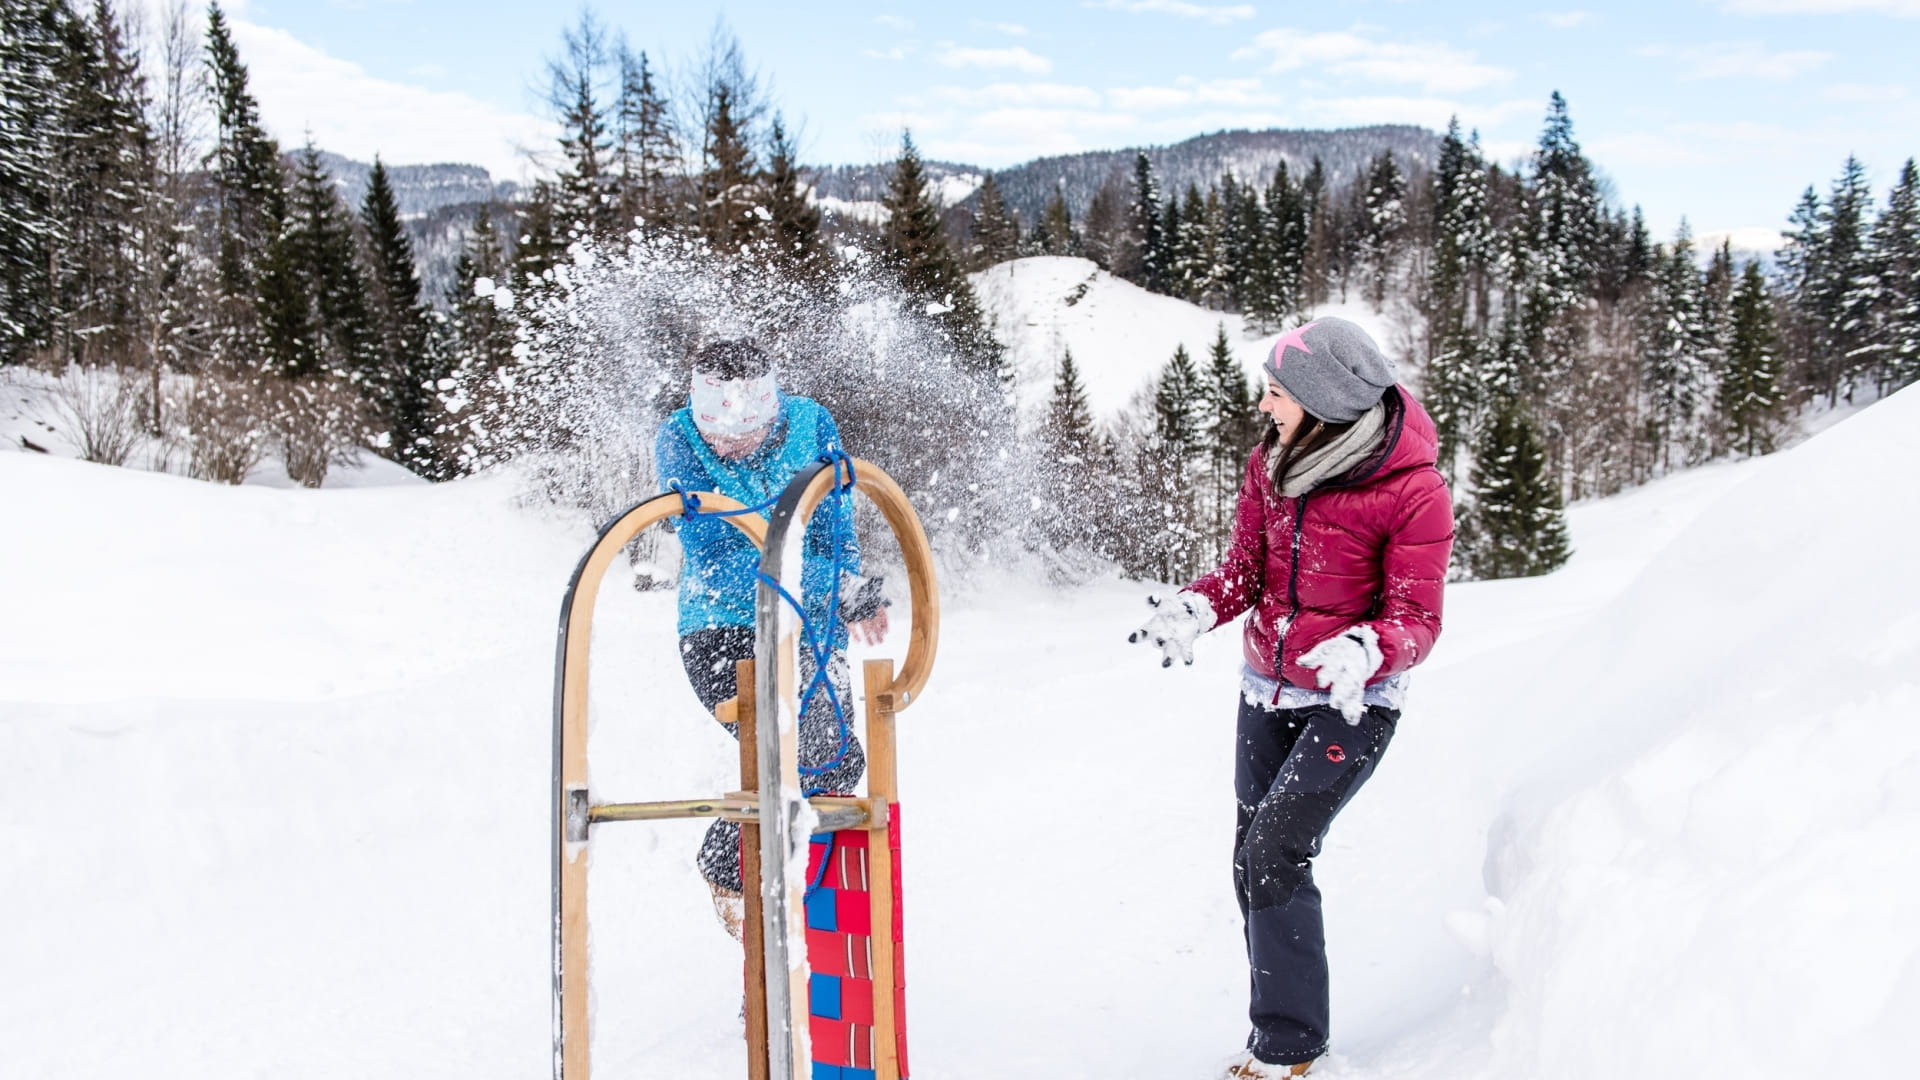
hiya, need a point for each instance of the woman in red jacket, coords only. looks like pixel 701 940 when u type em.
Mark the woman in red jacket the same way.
pixel 1340 547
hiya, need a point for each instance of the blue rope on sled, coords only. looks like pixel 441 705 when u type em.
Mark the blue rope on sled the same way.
pixel 821 651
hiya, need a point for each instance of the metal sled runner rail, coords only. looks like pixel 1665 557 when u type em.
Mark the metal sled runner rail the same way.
pixel 776 820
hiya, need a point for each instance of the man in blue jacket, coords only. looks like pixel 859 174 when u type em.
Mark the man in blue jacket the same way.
pixel 740 436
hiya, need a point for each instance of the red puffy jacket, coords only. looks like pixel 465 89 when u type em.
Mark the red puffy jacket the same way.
pixel 1370 547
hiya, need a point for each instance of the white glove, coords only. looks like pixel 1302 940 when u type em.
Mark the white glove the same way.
pixel 1176 621
pixel 1343 664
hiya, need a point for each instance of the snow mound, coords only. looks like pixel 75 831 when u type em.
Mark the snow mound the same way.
pixel 1714 869
pixel 1121 334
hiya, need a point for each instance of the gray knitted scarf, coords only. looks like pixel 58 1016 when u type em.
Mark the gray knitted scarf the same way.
pixel 1336 458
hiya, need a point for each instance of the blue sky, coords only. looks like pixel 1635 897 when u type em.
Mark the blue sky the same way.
pixel 1719 110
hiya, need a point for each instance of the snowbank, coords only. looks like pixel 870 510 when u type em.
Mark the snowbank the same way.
pixel 273 798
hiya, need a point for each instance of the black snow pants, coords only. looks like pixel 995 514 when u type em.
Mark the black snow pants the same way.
pixel 1295 770
pixel 710 656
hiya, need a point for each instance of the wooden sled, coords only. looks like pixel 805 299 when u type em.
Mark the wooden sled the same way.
pixel 775 819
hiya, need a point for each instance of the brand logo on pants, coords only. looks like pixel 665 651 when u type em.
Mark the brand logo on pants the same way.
pixel 1335 754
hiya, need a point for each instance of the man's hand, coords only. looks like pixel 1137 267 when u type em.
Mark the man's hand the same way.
pixel 871 631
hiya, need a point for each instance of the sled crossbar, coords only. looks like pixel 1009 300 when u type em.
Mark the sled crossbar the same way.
pixel 834 813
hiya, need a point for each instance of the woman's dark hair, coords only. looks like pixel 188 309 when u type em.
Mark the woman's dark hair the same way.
pixel 736 359
pixel 1318 432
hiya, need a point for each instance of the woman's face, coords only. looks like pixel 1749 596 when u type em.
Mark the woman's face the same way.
pixel 1287 414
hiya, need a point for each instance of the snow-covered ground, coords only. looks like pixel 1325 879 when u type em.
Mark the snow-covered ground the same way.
pixel 37 415
pixel 273 801
pixel 1121 335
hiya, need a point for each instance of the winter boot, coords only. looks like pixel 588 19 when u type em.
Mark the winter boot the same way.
pixel 1245 1066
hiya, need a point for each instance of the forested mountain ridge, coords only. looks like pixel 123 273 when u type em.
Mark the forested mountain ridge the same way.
pixel 1204 159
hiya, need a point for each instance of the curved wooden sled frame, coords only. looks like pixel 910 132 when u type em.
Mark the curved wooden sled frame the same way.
pixel 769 678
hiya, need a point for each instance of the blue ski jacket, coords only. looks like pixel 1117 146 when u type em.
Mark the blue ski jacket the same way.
pixel 720 567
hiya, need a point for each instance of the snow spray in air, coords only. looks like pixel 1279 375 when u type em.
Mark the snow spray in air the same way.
pixel 603 357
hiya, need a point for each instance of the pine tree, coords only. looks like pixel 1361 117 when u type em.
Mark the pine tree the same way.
pixel 1068 427
pixel 542 242
pixel 1801 262
pixel 646 144
pixel 1462 246
pixel 249 186
pixel 996 235
pixel 1152 270
pixel 1056 227
pixel 916 247
pixel 1892 347
pixel 476 338
pixel 793 223
pixel 1317 268
pixel 1383 229
pixel 1278 253
pixel 1750 398
pixel 729 196
pixel 1844 299
pixel 1168 465
pixel 1518 522
pixel 1230 434
pixel 102 158
pixel 406 372
pixel 586 203
pixel 1191 268
pixel 1671 366
pixel 31 95
pixel 1234 240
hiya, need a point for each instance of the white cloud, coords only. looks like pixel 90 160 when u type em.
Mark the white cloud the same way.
pixel 1188 91
pixel 1860 93
pixel 1905 8
pixel 894 22
pixel 1019 94
pixel 303 90
pixel 1436 67
pixel 1565 20
pixel 898 52
pixel 1016 57
pixel 1736 59
pixel 1218 15
pixel 1007 28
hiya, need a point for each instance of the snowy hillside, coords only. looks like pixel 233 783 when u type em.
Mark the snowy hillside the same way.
pixel 274 798
pixel 1121 334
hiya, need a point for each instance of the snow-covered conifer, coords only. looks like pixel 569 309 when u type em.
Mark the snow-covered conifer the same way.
pixel 1750 400
pixel 996 235
pixel 403 380
pixel 916 247
pixel 1519 525
pixel 1148 226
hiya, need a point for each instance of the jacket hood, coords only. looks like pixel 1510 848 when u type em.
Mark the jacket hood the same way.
pixel 1412 441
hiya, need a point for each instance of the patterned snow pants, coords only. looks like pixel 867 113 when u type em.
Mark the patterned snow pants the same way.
pixel 709 656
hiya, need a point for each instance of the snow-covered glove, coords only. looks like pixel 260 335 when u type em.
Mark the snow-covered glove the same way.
pixel 1343 664
pixel 861 598
pixel 1176 621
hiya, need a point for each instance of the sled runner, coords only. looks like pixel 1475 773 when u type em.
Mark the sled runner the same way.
pixel 821 876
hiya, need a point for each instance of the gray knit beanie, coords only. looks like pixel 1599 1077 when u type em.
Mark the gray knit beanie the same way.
pixel 1332 368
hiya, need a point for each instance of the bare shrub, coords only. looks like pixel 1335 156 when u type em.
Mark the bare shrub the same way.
pixel 318 422
pixel 223 429
pixel 101 413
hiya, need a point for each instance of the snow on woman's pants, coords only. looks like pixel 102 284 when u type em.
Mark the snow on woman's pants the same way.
pixel 1294 771
pixel 710 657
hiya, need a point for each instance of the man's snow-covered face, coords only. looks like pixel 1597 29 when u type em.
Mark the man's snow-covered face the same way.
pixel 730 408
